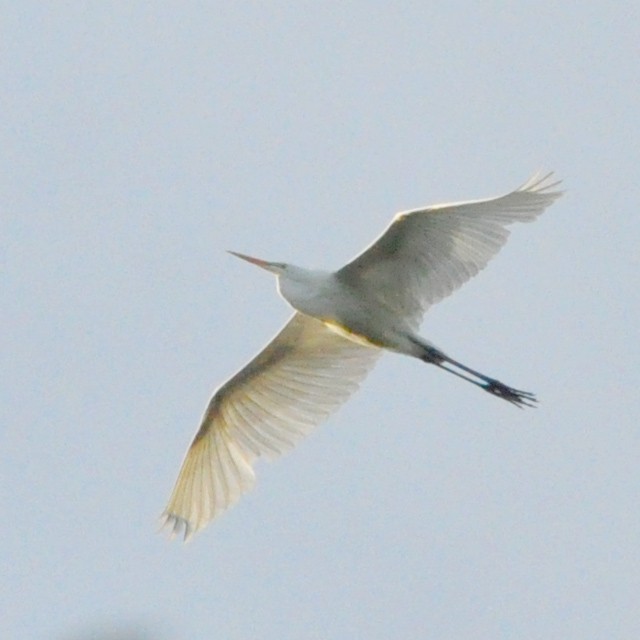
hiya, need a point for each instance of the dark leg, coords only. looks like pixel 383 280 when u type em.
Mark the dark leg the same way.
pixel 519 398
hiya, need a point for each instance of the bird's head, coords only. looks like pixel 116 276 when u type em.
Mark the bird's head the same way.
pixel 277 268
pixel 295 284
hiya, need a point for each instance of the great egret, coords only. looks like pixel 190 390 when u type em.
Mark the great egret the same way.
pixel 343 321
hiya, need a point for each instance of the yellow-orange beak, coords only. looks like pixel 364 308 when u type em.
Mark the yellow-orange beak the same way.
pixel 274 267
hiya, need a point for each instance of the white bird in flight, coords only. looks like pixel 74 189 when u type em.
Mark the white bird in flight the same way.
pixel 343 321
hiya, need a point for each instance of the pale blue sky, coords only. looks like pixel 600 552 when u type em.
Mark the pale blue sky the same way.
pixel 142 140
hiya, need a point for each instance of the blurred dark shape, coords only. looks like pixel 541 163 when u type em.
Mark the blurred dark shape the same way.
pixel 116 631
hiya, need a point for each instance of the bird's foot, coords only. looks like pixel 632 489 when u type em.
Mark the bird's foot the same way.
pixel 514 396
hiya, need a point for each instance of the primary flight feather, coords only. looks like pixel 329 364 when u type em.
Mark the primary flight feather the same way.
pixel 343 321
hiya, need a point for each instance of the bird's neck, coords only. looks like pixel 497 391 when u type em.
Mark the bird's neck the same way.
pixel 309 292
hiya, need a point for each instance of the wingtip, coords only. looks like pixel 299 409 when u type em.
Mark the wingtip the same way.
pixel 542 181
pixel 175 526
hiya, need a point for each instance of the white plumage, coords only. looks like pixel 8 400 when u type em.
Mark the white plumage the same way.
pixel 343 321
pixel 426 254
pixel 294 383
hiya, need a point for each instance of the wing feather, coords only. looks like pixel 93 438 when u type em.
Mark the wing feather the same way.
pixel 426 254
pixel 294 383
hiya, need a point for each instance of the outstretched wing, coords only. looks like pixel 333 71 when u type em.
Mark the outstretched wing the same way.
pixel 426 254
pixel 293 384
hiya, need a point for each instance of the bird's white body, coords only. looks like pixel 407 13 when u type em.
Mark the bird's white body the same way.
pixel 322 295
pixel 343 321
